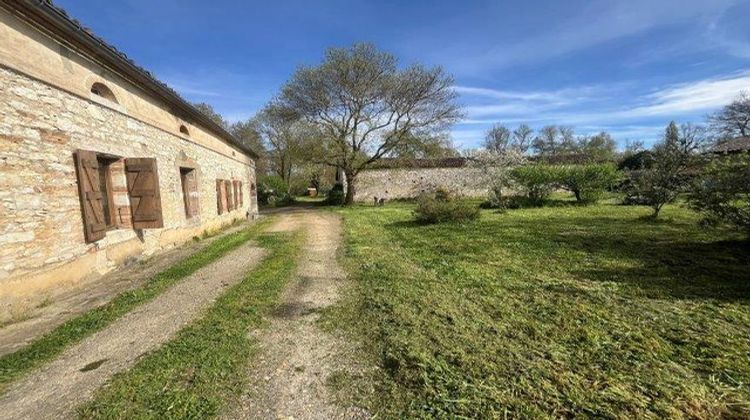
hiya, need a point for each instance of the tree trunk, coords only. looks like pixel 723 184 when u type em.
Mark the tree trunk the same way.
pixel 657 209
pixel 350 189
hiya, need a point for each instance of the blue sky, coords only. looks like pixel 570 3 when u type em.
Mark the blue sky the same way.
pixel 625 66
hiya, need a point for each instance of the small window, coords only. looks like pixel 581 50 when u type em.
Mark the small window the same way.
pixel 189 192
pixel 100 89
pixel 184 130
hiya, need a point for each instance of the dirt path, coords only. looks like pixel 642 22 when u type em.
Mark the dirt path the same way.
pixel 57 389
pixel 289 379
pixel 70 301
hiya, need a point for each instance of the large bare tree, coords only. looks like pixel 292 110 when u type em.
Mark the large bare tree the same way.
pixel 522 137
pixel 365 106
pixel 734 119
pixel 498 138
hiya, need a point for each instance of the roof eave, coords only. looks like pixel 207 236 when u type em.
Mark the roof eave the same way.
pixel 55 21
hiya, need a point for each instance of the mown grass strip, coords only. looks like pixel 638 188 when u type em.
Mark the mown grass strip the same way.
pixel 195 374
pixel 565 311
pixel 53 343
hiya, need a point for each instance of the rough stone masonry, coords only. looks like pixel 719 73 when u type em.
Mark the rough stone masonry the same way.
pixel 48 111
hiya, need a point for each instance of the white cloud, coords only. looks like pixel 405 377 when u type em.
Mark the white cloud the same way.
pixel 597 103
pixel 692 97
pixel 484 102
pixel 597 108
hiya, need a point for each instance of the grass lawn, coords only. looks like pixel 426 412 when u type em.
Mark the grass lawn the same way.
pixel 551 312
pixel 45 348
pixel 199 371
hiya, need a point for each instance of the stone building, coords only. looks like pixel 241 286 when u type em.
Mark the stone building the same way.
pixel 398 179
pixel 100 163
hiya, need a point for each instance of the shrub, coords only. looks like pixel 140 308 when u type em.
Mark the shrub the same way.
pixel 722 192
pixel 536 181
pixel 669 170
pixel 273 191
pixel 336 196
pixel 441 206
pixel 586 182
pixel 641 160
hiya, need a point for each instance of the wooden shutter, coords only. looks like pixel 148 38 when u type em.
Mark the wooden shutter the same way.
pixel 143 188
pixel 237 204
pixel 193 194
pixel 189 191
pixel 230 198
pixel 92 209
pixel 242 195
pixel 219 201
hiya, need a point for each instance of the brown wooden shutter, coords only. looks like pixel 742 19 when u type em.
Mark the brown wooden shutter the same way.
pixel 219 201
pixel 92 209
pixel 230 198
pixel 237 204
pixel 143 188
pixel 194 196
pixel 242 195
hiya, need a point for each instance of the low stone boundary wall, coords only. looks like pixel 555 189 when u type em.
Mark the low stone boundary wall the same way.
pixel 410 182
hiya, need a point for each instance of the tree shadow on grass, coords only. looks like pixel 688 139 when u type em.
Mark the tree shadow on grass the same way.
pixel 656 257
pixel 670 269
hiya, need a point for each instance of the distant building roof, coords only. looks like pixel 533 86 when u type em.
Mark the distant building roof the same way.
pixel 390 163
pixel 55 22
pixel 740 144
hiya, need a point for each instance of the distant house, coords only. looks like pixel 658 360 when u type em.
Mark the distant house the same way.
pixel 100 163
pixel 738 145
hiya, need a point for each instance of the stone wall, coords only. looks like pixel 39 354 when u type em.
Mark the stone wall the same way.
pixel 410 182
pixel 41 230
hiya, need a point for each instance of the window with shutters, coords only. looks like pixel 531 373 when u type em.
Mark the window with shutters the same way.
pixel 100 211
pixel 188 179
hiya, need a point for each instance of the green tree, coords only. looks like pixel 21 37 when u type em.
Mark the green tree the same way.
pixel 247 133
pixel 285 137
pixel 546 142
pixel 210 112
pixel 665 176
pixel 597 148
pixel 722 192
pixel 431 147
pixel 365 106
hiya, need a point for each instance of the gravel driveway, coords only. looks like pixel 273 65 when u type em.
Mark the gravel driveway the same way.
pixel 58 388
pixel 288 380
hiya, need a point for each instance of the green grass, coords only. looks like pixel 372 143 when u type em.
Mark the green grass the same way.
pixel 196 373
pixel 53 343
pixel 559 311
